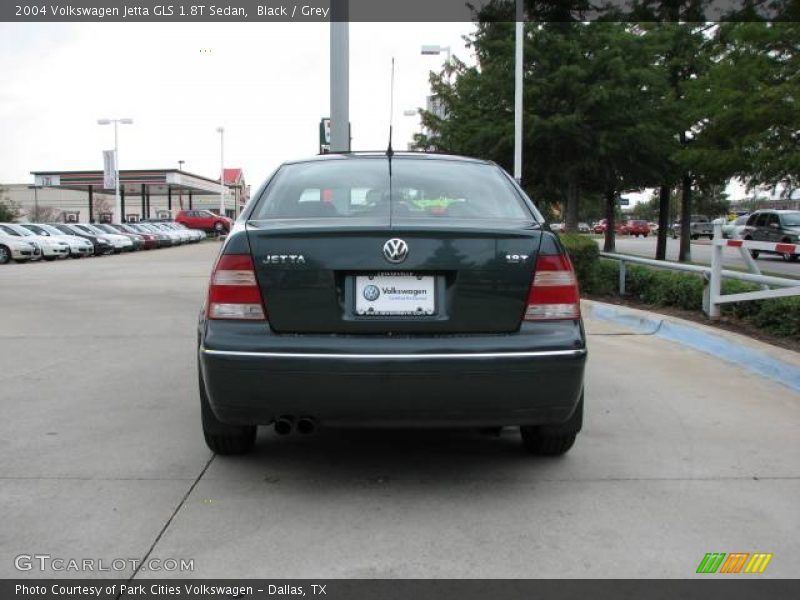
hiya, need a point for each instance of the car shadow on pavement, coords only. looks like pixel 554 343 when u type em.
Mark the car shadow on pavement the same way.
pixel 375 456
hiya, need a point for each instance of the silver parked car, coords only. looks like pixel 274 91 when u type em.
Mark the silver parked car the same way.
pixel 15 248
pixel 78 246
pixel 52 249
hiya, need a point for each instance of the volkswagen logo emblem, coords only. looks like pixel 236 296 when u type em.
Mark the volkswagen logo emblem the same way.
pixel 395 250
pixel 371 293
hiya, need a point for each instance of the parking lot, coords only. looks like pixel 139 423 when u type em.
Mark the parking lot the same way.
pixel 103 457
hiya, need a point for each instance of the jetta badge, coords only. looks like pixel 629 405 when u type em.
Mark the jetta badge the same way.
pixel 395 250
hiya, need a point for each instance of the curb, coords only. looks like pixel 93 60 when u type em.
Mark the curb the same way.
pixel 781 366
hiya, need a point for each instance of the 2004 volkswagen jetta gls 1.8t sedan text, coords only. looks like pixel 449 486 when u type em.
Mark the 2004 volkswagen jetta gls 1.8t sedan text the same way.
pixel 397 290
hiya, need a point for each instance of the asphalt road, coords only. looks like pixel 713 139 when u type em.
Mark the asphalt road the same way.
pixel 102 456
pixel 701 254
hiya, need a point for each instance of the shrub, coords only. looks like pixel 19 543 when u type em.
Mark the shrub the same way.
pixel 600 277
pixel 584 253
pixel 780 316
pixel 604 281
pixel 739 310
pixel 668 288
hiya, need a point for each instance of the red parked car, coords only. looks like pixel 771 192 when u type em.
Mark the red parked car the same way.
pixel 602 225
pixel 204 219
pixel 638 228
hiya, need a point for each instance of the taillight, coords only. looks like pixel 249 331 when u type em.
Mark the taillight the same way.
pixel 233 292
pixel 554 291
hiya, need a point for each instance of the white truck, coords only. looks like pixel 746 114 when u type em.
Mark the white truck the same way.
pixel 699 226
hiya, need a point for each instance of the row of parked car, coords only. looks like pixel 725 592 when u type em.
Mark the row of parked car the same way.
pixel 632 227
pixel 23 242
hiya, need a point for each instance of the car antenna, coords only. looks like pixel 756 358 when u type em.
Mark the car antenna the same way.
pixel 389 151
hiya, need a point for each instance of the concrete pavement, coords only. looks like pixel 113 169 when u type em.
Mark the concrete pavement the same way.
pixel 102 456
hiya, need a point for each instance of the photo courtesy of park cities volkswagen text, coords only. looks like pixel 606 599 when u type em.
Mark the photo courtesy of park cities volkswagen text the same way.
pixel 380 299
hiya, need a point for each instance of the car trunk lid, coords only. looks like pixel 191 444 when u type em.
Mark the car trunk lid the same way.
pixel 311 275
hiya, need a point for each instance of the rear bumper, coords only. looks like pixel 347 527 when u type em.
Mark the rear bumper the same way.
pixel 381 381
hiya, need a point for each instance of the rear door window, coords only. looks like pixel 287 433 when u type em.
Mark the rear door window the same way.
pixel 791 219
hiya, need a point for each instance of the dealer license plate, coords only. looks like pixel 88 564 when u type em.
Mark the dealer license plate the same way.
pixel 395 294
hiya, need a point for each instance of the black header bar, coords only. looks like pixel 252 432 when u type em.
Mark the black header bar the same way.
pixel 153 11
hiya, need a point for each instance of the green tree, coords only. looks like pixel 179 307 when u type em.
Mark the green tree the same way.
pixel 590 98
pixel 752 91
pixel 9 210
pixel 668 102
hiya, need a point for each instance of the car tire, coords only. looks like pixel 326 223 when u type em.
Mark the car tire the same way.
pixel 49 258
pixel 5 255
pixel 711 236
pixel 220 437
pixel 694 236
pixel 219 228
pixel 553 440
pixel 754 253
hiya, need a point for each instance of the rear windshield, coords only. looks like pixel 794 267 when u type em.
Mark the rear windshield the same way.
pixel 418 189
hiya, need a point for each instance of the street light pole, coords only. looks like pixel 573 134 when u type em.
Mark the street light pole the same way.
pixel 118 217
pixel 340 76
pixel 221 131
pixel 180 189
pixel 435 50
pixel 518 82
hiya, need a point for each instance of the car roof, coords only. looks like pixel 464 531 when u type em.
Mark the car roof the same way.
pixel 780 211
pixel 373 154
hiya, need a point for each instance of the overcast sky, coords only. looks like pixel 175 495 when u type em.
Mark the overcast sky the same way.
pixel 267 84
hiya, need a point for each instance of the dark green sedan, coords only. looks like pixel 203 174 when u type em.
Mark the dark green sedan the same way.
pixel 391 290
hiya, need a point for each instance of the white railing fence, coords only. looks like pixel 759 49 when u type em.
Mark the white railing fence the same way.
pixel 713 275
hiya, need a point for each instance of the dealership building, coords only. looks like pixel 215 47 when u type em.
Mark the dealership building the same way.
pixel 81 196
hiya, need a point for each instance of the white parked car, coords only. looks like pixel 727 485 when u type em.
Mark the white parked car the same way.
pixel 13 247
pixel 733 229
pixel 51 248
pixel 197 234
pixel 120 242
pixel 177 237
pixel 186 236
pixel 78 246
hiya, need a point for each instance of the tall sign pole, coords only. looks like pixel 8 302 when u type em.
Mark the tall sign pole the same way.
pixel 120 218
pixel 221 131
pixel 118 203
pixel 518 81
pixel 340 77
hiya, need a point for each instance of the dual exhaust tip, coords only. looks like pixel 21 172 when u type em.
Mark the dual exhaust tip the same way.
pixel 286 424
